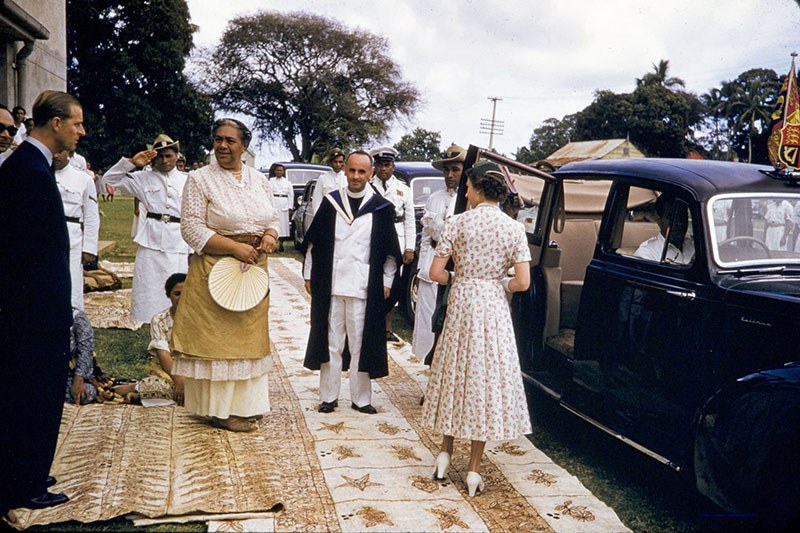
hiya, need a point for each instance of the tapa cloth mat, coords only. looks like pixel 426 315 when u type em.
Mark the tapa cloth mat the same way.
pixel 121 269
pixel 111 309
pixel 348 471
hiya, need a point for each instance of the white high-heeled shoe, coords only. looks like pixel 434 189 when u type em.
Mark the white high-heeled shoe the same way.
pixel 474 483
pixel 442 464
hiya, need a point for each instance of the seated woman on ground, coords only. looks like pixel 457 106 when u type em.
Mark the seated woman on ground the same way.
pixel 81 359
pixel 159 357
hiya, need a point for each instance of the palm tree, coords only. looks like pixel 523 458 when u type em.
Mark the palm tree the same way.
pixel 750 105
pixel 659 77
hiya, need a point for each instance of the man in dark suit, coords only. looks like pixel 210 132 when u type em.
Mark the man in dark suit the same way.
pixel 35 310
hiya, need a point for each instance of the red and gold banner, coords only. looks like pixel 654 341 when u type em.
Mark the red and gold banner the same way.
pixel 783 143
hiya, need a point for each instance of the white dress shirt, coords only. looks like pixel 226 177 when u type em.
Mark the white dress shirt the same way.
pixel 158 193
pixel 327 182
pixel 399 194
pixel 439 207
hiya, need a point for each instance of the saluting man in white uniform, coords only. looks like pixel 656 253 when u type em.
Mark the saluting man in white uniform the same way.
pixel 399 194
pixel 330 181
pixel 79 196
pixel 282 194
pixel 162 251
pixel 439 207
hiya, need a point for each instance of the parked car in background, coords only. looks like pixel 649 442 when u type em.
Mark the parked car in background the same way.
pixel 299 174
pixel 663 310
pixel 303 215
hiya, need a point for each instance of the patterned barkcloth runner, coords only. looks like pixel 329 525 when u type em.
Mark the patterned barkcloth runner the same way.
pixel 343 471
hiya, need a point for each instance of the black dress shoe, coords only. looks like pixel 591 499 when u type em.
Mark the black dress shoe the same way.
pixel 327 407
pixel 391 337
pixel 368 409
pixel 49 481
pixel 44 500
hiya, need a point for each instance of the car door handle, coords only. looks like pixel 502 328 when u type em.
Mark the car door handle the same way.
pixel 683 294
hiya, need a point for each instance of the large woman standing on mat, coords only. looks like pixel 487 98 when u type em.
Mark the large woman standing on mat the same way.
pixel 224 354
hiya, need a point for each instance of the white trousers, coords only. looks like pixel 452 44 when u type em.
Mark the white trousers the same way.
pixel 150 271
pixel 76 274
pixel 426 305
pixel 345 321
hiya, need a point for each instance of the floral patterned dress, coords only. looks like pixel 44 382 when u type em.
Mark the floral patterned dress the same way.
pixel 475 389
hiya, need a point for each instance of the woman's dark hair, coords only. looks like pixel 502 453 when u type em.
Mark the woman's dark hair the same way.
pixel 273 167
pixel 244 132
pixel 491 183
pixel 173 280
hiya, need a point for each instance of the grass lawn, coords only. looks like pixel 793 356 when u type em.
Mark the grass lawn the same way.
pixel 646 495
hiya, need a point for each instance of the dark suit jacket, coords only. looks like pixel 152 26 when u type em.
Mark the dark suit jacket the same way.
pixel 34 245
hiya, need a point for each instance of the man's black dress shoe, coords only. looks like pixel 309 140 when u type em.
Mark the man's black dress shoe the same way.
pixel 391 337
pixel 44 500
pixel 368 409
pixel 49 481
pixel 327 407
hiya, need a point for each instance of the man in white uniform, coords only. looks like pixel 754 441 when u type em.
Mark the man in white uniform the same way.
pixel 162 250
pixel 19 122
pixel 653 248
pixel 282 194
pixel 399 194
pixel 332 180
pixel 438 209
pixel 779 223
pixel 79 197
pixel 78 161
pixel 6 134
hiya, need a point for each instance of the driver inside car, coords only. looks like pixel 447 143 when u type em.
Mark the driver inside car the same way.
pixel 652 248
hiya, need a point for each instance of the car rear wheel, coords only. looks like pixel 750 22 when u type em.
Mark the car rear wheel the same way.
pixel 412 292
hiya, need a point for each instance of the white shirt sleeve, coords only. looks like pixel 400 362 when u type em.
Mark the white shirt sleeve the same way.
pixel 193 216
pixel 91 217
pixel 307 263
pixel 389 270
pixel 121 177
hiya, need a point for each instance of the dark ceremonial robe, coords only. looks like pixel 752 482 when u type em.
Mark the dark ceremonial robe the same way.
pixel 35 320
pixel 383 244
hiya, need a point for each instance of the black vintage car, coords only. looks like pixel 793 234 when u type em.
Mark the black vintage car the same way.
pixel 664 309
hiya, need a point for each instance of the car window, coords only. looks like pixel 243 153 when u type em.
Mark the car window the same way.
pixel 655 226
pixel 751 228
pixel 423 187
pixel 300 176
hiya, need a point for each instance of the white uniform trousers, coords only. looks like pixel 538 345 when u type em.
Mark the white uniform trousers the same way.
pixel 345 321
pixel 150 272
pixel 773 240
pixel 426 305
pixel 76 273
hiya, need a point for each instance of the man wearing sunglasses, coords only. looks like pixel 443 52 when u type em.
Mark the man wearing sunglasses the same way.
pixel 7 133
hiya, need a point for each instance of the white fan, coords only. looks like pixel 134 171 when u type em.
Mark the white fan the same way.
pixel 237 286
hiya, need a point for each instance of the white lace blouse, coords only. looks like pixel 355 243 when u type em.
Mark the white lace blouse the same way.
pixel 215 202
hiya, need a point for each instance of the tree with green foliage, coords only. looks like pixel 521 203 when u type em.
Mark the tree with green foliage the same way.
pixel 746 103
pixel 125 62
pixel 419 145
pixel 547 138
pixel 657 118
pixel 307 82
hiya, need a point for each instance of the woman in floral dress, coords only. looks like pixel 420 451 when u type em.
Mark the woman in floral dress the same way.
pixel 475 389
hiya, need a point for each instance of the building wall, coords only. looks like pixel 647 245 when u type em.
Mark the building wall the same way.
pixel 47 64
pixel 624 151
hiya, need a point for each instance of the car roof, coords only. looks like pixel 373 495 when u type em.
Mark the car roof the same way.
pixel 415 169
pixel 705 178
pixel 287 166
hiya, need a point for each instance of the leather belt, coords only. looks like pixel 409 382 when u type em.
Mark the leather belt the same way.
pixel 74 220
pixel 397 220
pixel 163 218
pixel 280 195
pixel 775 225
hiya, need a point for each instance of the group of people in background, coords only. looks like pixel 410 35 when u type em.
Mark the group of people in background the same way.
pixel 214 358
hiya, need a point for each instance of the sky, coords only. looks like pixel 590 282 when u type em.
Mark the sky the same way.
pixel 544 58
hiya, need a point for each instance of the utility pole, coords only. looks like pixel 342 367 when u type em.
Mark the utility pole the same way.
pixel 492 127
